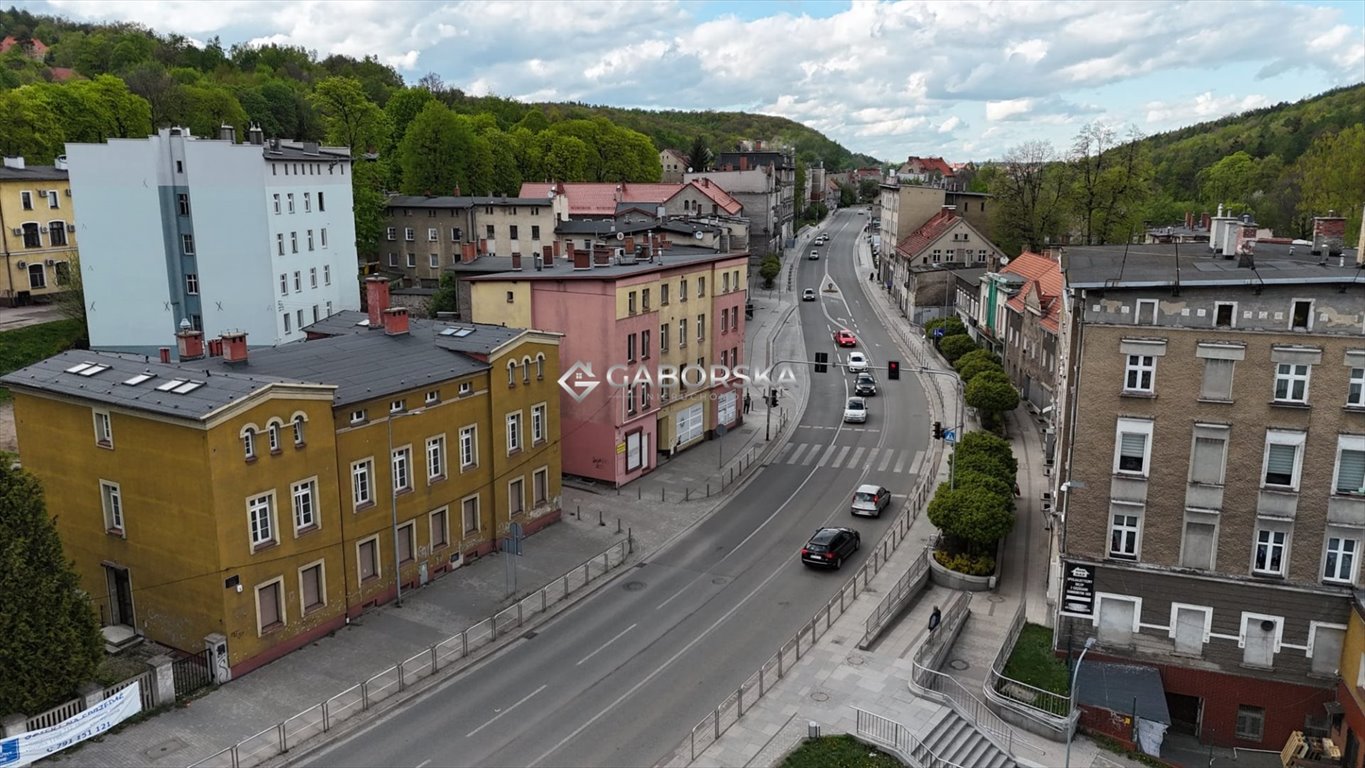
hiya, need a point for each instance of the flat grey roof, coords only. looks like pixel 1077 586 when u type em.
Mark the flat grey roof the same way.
pixel 677 256
pixel 972 276
pixel 451 201
pixel 474 338
pixel 33 172
pixel 1163 264
pixel 1124 688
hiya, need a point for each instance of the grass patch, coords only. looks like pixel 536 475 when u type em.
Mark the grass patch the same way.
pixel 1032 661
pixel 26 346
pixel 838 752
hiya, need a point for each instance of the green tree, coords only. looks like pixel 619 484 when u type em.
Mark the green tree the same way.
pixel 981 355
pixel 435 153
pixel 971 478
pixel 984 463
pixel 506 171
pixel 533 121
pixel 562 157
pixel 446 298
pixel 847 195
pixel 369 202
pixel 956 346
pixel 29 129
pixel 152 82
pixel 951 325
pixel 769 270
pixel 972 517
pixel 994 446
pixel 698 155
pixel 992 395
pixel 349 117
pixel 869 189
pixel 1231 180
pixel 404 106
pixel 975 367
pixel 1333 177
pixel 1030 190
pixel 49 637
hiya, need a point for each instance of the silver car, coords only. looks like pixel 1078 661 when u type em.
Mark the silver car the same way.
pixel 870 500
pixel 855 412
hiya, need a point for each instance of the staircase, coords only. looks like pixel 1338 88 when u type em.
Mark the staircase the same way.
pixel 956 742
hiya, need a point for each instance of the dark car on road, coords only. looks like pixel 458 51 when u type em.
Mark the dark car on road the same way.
pixel 829 546
pixel 866 385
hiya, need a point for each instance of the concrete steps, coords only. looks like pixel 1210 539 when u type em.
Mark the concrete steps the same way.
pixel 957 742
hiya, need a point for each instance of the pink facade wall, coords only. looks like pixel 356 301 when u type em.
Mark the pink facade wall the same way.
pixel 730 340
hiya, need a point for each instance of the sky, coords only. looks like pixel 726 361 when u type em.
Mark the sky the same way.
pixel 961 79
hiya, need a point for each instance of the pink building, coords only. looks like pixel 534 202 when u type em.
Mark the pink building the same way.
pixel 627 317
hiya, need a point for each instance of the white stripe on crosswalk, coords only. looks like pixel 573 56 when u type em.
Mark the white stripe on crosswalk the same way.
pixel 886 459
pixel 814 454
pixel 858 454
pixel 796 454
pixel 872 456
pixel 919 456
pixel 786 451
pixel 825 458
pixel 840 459
pixel 900 463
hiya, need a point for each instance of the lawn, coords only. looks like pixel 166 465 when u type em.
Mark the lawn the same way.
pixel 1032 661
pixel 28 345
pixel 838 752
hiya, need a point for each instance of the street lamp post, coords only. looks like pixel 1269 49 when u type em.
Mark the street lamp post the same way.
pixel 1075 672
pixel 393 508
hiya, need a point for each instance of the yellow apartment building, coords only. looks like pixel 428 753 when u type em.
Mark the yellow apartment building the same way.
pixel 37 231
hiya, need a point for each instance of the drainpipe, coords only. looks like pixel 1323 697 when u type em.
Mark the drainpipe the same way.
pixel 4 248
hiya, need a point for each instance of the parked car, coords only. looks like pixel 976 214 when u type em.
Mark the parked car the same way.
pixel 866 385
pixel 857 362
pixel 829 546
pixel 814 255
pixel 869 500
pixel 808 294
pixel 845 338
pixel 855 411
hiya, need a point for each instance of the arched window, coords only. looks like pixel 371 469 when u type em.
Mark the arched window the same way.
pixel 511 373
pixel 526 370
pixel 298 430
pixel 249 442
pixel 540 367
pixel 273 431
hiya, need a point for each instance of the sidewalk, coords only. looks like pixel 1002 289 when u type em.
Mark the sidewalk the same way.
pixel 825 685
pixel 653 511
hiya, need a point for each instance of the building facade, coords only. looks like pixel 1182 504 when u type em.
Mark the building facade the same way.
pixel 1212 478
pixel 222 498
pixel 256 237
pixel 918 269
pixel 37 231
pixel 683 307
pixel 1018 310
pixel 904 208
pixel 675 165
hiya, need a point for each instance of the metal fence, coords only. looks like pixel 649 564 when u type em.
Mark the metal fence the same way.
pixel 895 600
pixel 326 715
pixel 1052 710
pixel 898 740
pixel 191 672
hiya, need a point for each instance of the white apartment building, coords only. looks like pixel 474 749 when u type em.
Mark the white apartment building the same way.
pixel 256 237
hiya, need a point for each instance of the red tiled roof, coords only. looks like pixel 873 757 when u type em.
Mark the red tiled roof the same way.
pixel 35 45
pixel 927 165
pixel 62 74
pixel 1042 277
pixel 915 242
pixel 717 195
pixel 600 198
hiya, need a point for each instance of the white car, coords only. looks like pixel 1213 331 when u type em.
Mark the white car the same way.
pixel 857 362
pixel 855 412
pixel 814 255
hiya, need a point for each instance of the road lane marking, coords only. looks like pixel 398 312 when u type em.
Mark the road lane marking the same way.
pixel 795 455
pixel 424 763
pixel 900 463
pixel 824 460
pixel 813 455
pixel 872 456
pixel 505 711
pixel 784 454
pixel 840 459
pixel 886 459
pixel 603 646
pixel 858 454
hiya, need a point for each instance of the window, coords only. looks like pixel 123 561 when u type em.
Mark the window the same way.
pixel 1271 546
pixel 367 556
pixel 1146 311
pixel 284 284
pixel 402 469
pixel 644 395
pixel 326 274
pixel 1139 373
pixel 52 199
pixel 434 396
pixel 725 285
pixel 1250 722
pixel 398 406
pixel 465 388
pixel 56 232
pixel 322 206
pixel 32 237
pixel 440 528
pixel 540 366
pixel 682 333
pixel 1133 447
pixel 269 605
pixel 273 434
pixel 1355 392
pixel 516 496
pixel 305 506
pixel 323 234
pixel 391 233
pixel 312 587
pixel 434 260
pixel 1217 384
pixel 187 244
pixel 290 197
pixel 1302 316
pixel 1283 453
pixel 1208 456
pixel 1350 471
pixel 469 514
pixel 1339 559
pixel 112 500
pixel 514 432
pixel 298 431
pixel 357 416
pixel 1291 383
pixel 1200 541
pixel 630 348
pixel 412 260
pixel 192 284
pixel 630 401
pixel 701 287
pixel 249 443
pixel 663 337
pixel 512 231
pixel 725 321
pixel 535 232
pixel 409 235
pixel 511 373
pixel 362 485
pixel 538 424
pixel 406 545
pixel 663 294
pixel 310 239
pixel 261 519
pixel 511 297
pixel 26 200
pixel 104 430
pixel 630 302
pixel 276 197
pixel 436 457
pixel 469 451
pixel 307 202
pixel 540 487
pixel 488 230
pixel 682 289
pixel 293 242
pixel 1224 314
pixel 1124 527
pixel 644 345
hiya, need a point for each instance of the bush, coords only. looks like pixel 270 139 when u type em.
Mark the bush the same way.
pixel 971 357
pixel 972 565
pixel 951 326
pixel 953 347
pixel 769 270
pixel 991 445
pixel 970 370
pixel 992 394
pixel 973 518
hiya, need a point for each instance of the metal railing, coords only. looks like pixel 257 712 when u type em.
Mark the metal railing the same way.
pixel 1052 709
pixel 896 600
pixel 326 715
pixel 898 740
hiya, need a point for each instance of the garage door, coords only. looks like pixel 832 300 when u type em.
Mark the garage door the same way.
pixel 725 409
pixel 690 423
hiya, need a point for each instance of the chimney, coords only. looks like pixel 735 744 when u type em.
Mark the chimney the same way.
pixel 376 299
pixel 189 344
pixel 1189 219
pixel 516 261
pixel 227 133
pixel 1329 234
pixel 310 147
pixel 468 253
pixel 630 247
pixel 483 245
pixel 60 163
pixel 255 135
pixel 395 321
pixel 1243 237
pixel 1204 222
pixel 234 347
pixel 547 255
pixel 165 354
pixel 602 258
pixel 559 252
pixel 215 347
pixel 16 163
pixel 580 260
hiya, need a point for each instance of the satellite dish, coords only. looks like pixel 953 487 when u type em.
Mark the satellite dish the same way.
pixel 620 235
pixel 698 234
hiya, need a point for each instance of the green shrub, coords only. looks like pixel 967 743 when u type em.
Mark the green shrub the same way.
pixel 769 270
pixel 972 565
pixel 971 357
pixel 953 347
pixel 975 367
pixel 992 445
pixel 951 326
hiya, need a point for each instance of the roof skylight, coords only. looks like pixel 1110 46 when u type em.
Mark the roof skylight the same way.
pixel 188 387
pixel 138 379
pixel 170 385
pixel 91 370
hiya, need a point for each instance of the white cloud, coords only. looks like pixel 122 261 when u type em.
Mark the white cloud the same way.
pixel 948 125
pixel 1006 110
pixel 1204 106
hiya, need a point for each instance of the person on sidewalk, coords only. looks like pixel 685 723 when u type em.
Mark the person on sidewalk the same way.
pixel 748 402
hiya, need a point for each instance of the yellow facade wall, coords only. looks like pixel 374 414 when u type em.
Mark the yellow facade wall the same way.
pixel 14 279
pixel 489 303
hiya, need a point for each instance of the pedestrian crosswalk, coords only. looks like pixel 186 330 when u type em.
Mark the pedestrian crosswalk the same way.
pixel 897 460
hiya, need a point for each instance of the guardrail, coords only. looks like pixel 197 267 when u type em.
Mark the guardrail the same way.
pixel 323 717
pixel 897 739
pixel 896 600
pixel 1035 710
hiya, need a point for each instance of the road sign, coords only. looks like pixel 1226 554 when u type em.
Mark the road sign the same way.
pixel 950 435
pixel 938 333
pixel 721 429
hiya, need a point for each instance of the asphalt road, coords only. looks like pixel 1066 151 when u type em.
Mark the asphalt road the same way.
pixel 621 678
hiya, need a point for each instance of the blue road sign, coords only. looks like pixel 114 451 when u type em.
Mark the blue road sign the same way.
pixel 938 333
pixel 950 435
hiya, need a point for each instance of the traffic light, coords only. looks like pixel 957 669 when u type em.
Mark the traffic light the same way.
pixel 893 369
pixel 821 362
pixel 938 430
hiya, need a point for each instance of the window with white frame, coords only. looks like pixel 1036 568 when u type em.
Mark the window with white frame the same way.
pixel 526 370
pixel 192 284
pixel 1349 479
pixel 327 275
pixel 540 364
pixel 1325 642
pixel 1139 373
pixel 436 457
pixel 514 432
pixel 312 587
pixel 1291 382
pixel 516 496
pixel 1283 459
pixel 276 198
pixel 1301 317
pixel 1146 312
pixel 538 424
pixel 433 235
pixel 1125 528
pixel 469 515
pixel 540 486
pixel 298 431
pixel 1271 556
pixel 290 197
pixel 469 450
pixel 293 242
pixel 434 260
pixel 1208 456
pixel 1133 447
pixel 1339 556
pixel 249 443
pixel 1355 389
pixel 261 520
pixel 104 430
pixel 304 494
pixel 402 468
pixel 273 436
pixel 407 534
pixel 269 607
pixel 112 500
pixel 362 483
pixel 398 406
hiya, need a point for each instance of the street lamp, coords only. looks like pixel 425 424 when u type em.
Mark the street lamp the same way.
pixel 393 507
pixel 1070 732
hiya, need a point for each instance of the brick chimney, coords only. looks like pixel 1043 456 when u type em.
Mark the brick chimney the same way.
pixel 468 253
pixel 630 247
pixel 234 347
pixel 1329 234
pixel 189 344
pixel 1189 219
pixel 602 257
pixel 376 299
pixel 1204 221
pixel 547 255
pixel 560 252
pixel 215 347
pixel 581 260
pixel 165 353
pixel 483 245
pixel 395 321
pixel 1244 233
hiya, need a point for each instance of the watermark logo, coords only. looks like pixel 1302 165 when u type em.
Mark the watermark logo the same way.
pixel 580 380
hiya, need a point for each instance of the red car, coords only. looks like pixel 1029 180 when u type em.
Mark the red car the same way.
pixel 845 338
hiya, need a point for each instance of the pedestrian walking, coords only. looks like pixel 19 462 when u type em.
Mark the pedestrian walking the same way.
pixel 748 402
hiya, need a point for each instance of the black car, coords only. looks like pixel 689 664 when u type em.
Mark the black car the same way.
pixel 829 546
pixel 866 385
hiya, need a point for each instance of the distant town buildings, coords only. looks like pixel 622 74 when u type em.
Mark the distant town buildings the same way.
pixel 37 231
